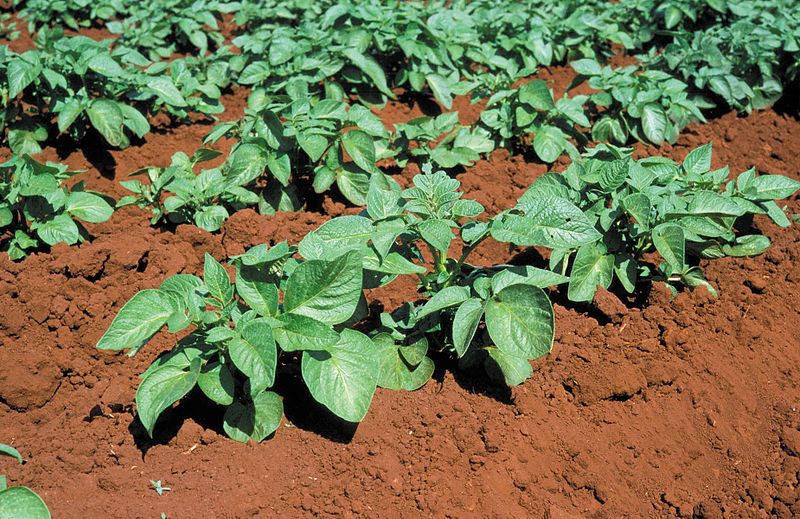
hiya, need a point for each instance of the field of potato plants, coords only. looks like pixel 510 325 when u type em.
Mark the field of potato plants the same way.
pixel 427 258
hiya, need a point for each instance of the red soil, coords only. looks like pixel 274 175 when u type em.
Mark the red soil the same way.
pixel 645 408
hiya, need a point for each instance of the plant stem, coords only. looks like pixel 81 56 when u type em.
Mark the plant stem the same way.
pixel 466 252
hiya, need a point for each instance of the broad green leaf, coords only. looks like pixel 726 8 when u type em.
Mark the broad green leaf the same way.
pixel 773 187
pixel 246 164
pixel 20 74
pixel 255 355
pixel 261 296
pixel 591 267
pixel 159 390
pixel 436 232
pixel 268 415
pixel 361 149
pixel 526 275
pixel 22 503
pixel 548 222
pixel 392 263
pixel 776 213
pixel 513 370
pixel 325 290
pixel 210 218
pixel 105 65
pixel 239 421
pixel 216 382
pixel 465 324
pixel 42 184
pixel 750 245
pixel 344 377
pixel 698 161
pixel 371 68
pixel 68 111
pixel 217 280
pixel 669 241
pixel 626 269
pixel 88 207
pixel 612 174
pixel 441 88
pixel 166 90
pixel 107 118
pixel 395 373
pixel 638 206
pixel 337 236
pixel 587 67
pixel 133 120
pixel 137 321
pixel 447 297
pixel 536 94
pixel 654 123
pixel 57 229
pixel 383 203
pixel 549 143
pixel 298 332
pixel 519 320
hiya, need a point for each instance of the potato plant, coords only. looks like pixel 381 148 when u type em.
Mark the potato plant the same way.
pixel 19 502
pixel 36 208
pixel 683 212
pixel 288 302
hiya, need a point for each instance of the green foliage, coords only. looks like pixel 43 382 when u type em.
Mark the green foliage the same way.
pixel 630 208
pixel 531 110
pixel 36 208
pixel 326 141
pixel 19 502
pixel 84 84
pixel 242 330
pixel 650 105
pixel 178 195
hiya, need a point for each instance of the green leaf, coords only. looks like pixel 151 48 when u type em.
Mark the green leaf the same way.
pixel 137 321
pixel 166 91
pixel 107 118
pixel 345 377
pixel 383 203
pixel 217 281
pixel 441 88
pixel 57 229
pixel 371 68
pixel 20 74
pixel 261 296
pixel 446 297
pixel 519 320
pixel 42 184
pixel 255 355
pixel 513 370
pixel 436 232
pixel 549 143
pixel 591 267
pixel 336 236
pixel 612 174
pixel 216 382
pixel 22 503
pixel 159 390
pixel 298 332
pixel 587 67
pixel 669 241
pixel 526 275
pixel 354 185
pixel 396 373
pixel 638 206
pixel 536 94
pixel 325 290
pixel 548 222
pixel 465 324
pixel 8 450
pixel 625 267
pixel 88 207
pixel 254 419
pixel 750 245
pixel 773 187
pixel 246 164
pixel 698 161
pixel 654 123
pixel 105 65
pixel 361 149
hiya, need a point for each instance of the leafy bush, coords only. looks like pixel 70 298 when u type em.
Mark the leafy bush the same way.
pixel 34 199
pixel 651 105
pixel 279 306
pixel 681 211
pixel 83 83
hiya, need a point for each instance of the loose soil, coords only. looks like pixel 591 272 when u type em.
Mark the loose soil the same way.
pixel 647 406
